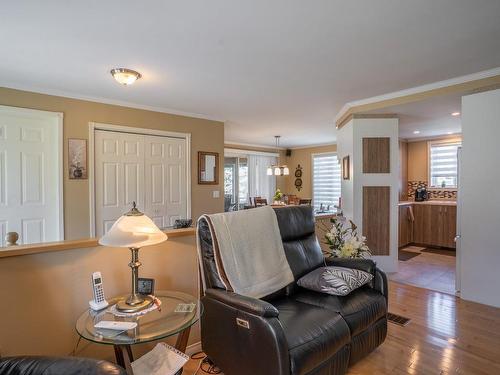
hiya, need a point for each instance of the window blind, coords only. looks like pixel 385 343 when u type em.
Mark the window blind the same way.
pixel 444 165
pixel 326 180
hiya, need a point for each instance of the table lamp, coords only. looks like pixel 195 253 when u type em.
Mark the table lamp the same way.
pixel 133 230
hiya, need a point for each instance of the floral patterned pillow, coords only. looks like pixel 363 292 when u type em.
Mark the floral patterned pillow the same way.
pixel 337 281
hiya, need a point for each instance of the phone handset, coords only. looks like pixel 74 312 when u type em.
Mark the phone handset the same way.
pixel 99 302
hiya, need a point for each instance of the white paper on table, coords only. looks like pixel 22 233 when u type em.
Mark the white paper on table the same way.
pixel 162 360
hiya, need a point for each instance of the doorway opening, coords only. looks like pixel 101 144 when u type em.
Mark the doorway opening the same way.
pixel 430 139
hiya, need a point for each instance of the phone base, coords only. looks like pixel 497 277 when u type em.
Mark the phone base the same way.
pixel 98 306
pixel 123 306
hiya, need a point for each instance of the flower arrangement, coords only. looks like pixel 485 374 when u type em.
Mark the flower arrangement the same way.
pixel 278 195
pixel 344 242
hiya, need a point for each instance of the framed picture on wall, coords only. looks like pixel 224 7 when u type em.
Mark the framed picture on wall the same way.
pixel 345 167
pixel 77 159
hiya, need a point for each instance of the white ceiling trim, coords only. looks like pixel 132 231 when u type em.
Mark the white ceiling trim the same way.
pixel 448 137
pixel 120 103
pixel 419 89
pixel 314 145
pixel 234 152
pixel 231 143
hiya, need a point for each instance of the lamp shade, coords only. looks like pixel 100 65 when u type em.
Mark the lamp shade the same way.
pixel 133 231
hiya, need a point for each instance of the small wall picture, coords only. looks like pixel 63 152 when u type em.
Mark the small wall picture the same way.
pixel 77 158
pixel 345 167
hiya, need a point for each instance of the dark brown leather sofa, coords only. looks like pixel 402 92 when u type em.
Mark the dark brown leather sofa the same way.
pixel 293 331
pixel 38 365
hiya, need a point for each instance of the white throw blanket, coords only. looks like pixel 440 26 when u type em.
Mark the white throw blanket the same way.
pixel 249 252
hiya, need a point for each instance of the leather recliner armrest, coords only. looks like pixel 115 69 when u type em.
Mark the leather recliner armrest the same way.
pixel 251 305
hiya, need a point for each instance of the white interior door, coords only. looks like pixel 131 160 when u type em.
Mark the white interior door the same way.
pixel 30 175
pixel 458 236
pixel 119 176
pixel 165 168
pixel 150 170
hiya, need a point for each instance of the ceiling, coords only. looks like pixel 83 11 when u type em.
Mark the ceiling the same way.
pixel 431 117
pixel 265 67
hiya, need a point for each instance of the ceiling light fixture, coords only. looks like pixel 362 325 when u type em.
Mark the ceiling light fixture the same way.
pixel 455 114
pixel 416 132
pixel 125 76
pixel 278 170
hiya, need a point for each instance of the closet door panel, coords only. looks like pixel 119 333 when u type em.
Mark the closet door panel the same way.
pixel 148 170
pixel 165 179
pixel 119 176
pixel 177 183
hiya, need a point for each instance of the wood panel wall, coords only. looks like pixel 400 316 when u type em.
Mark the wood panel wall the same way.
pixel 403 171
pixel 376 155
pixel 376 218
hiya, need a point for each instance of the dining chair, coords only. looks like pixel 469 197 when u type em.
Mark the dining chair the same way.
pixel 260 201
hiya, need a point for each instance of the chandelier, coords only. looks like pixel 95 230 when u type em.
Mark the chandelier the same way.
pixel 278 170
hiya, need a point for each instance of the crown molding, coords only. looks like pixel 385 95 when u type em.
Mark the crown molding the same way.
pixel 314 145
pixel 231 143
pixel 455 136
pixel 121 103
pixel 416 91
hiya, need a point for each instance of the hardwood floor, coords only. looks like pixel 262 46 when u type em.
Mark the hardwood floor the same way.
pixel 446 335
pixel 427 270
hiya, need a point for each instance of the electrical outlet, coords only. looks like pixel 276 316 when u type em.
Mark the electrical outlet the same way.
pixel 215 194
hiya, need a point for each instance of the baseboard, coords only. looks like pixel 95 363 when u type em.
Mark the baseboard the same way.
pixel 194 348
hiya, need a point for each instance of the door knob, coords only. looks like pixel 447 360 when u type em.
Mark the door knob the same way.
pixel 457 237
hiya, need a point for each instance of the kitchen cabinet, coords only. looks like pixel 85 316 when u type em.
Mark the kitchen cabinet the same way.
pixel 406 219
pixel 435 225
pixel 449 217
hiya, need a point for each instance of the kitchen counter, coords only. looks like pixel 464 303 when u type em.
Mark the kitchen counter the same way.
pixel 433 202
pixel 325 215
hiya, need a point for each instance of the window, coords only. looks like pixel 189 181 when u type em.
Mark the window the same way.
pixel 245 176
pixel 443 164
pixel 326 180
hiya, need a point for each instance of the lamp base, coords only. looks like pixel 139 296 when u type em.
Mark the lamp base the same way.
pixel 125 306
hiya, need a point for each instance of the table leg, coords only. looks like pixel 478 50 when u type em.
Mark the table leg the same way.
pixel 182 340
pixel 124 357
pixel 181 343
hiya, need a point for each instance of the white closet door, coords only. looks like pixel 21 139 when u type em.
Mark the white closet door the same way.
pixel 119 176
pixel 29 175
pixel 165 178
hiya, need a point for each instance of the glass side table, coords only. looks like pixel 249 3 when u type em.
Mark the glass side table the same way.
pixel 152 326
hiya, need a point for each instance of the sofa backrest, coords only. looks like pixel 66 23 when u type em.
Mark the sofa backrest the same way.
pixel 302 250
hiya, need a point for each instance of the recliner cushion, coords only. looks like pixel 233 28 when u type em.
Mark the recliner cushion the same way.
pixel 313 334
pixel 360 308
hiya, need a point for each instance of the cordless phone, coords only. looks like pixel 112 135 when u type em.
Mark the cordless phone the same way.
pixel 99 302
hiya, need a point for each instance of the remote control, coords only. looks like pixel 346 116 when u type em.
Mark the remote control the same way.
pixel 119 326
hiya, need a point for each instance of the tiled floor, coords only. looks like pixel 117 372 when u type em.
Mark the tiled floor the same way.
pixel 427 270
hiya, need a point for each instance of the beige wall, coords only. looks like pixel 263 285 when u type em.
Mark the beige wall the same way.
pixel 303 156
pixel 418 169
pixel 206 135
pixel 43 294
